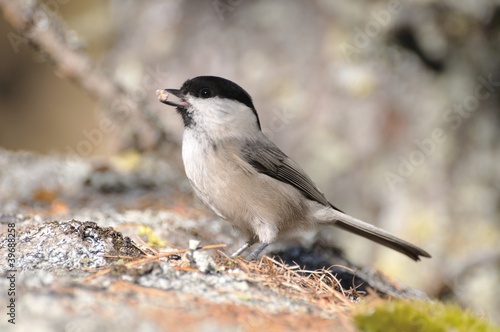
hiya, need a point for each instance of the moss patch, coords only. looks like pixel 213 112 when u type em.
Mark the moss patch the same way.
pixel 418 316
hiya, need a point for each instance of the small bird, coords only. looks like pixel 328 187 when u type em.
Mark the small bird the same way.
pixel 246 179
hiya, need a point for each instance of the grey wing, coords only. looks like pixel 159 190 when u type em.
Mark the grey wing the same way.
pixel 268 159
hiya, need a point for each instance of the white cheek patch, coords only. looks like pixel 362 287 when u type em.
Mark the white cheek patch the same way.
pixel 223 117
pixel 215 105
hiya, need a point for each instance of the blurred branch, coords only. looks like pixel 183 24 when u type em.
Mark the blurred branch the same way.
pixel 447 289
pixel 47 33
pixel 475 262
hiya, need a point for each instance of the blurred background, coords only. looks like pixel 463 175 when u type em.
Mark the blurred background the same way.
pixel 392 108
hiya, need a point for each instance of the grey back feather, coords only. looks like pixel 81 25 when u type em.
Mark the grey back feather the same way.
pixel 268 159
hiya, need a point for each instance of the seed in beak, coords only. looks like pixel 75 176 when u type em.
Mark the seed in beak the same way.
pixel 162 95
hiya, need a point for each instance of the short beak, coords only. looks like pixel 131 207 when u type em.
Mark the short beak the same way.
pixel 163 95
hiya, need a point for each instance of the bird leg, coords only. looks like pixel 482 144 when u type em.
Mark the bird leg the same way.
pixel 257 251
pixel 242 249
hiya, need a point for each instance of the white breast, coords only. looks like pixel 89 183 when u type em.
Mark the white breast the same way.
pixel 195 157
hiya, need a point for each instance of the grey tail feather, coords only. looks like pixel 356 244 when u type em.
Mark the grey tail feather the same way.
pixel 382 237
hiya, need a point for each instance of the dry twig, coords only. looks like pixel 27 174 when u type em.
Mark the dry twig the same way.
pixel 47 33
pixel 318 287
pixel 149 259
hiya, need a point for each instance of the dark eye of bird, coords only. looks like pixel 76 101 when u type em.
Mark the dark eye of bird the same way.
pixel 205 93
